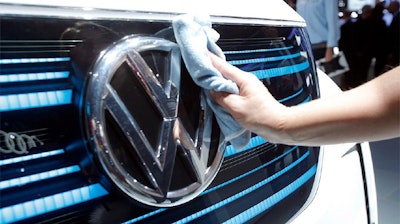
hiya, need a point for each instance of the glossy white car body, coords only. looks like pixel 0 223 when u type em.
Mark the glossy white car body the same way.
pixel 341 195
pixel 344 189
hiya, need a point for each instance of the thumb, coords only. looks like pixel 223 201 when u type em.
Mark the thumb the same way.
pixel 225 99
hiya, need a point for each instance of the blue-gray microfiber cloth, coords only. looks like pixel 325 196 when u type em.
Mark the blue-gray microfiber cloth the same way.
pixel 196 38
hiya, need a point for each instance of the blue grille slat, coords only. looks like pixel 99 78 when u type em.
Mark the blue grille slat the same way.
pixel 28 209
pixel 275 198
pixel 51 203
pixel 32 60
pixel 258 50
pixel 31 157
pixel 40 80
pixel 292 96
pixel 308 99
pixel 35 100
pixel 249 172
pixel 25 71
pixel 264 60
pixel 231 181
pixel 281 71
pixel 14 182
pixel 23 77
pixel 243 193
pixel 254 142
pixel 148 215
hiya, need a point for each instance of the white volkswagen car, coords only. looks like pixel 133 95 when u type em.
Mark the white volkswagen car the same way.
pixel 101 122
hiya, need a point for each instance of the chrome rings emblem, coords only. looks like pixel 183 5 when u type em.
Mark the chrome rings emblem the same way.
pixel 140 131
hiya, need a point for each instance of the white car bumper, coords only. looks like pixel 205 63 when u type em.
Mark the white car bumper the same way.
pixel 345 191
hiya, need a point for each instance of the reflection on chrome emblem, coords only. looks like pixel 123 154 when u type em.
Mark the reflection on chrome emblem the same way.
pixel 141 141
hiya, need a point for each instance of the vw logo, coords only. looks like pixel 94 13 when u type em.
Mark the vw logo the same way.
pixel 152 145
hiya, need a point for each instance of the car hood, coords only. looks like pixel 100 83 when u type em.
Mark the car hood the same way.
pixel 253 11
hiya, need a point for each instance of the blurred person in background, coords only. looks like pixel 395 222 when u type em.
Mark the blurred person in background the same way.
pixel 394 39
pixel 361 47
pixel 322 21
pixel 292 3
pixel 379 39
pixel 346 44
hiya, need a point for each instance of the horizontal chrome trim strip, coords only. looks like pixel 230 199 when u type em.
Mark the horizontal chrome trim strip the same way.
pixel 113 14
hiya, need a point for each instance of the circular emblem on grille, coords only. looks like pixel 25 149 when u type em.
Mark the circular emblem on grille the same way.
pixel 155 146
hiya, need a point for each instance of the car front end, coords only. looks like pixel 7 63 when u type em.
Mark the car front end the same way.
pixel 101 122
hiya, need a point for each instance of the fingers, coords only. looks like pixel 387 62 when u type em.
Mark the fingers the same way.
pixel 227 70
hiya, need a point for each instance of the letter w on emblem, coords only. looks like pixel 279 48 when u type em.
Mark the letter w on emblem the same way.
pixel 158 160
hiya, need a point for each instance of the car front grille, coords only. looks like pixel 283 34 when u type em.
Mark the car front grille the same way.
pixel 40 168
pixel 50 174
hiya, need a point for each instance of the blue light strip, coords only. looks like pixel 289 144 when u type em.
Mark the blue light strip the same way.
pixel 35 100
pixel 292 96
pixel 306 100
pixel 257 140
pixel 247 191
pixel 254 142
pixel 275 198
pixel 223 184
pixel 258 50
pixel 29 209
pixel 10 78
pixel 251 171
pixel 262 60
pixel 281 71
pixel 32 60
pixel 145 216
pixel 296 94
pixel 31 157
pixel 19 181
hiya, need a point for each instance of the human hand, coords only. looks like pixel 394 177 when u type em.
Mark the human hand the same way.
pixel 254 107
pixel 329 54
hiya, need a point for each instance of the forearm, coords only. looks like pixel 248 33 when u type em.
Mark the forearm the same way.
pixel 370 112
pixel 366 113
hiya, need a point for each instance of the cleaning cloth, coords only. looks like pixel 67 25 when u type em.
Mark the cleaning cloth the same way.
pixel 196 38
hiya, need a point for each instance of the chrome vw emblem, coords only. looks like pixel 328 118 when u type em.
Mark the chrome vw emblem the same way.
pixel 150 146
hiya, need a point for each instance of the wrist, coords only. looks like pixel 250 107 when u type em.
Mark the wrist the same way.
pixel 275 124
